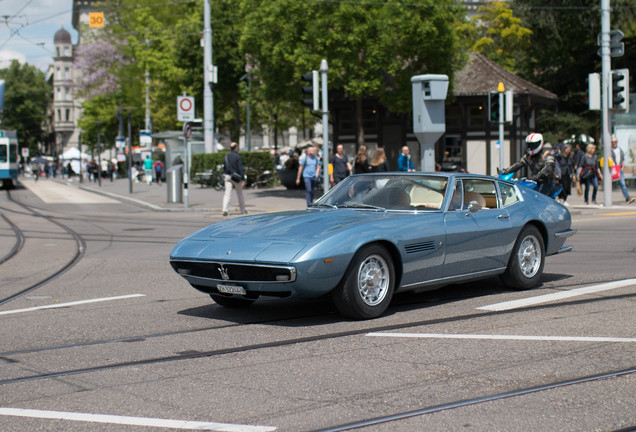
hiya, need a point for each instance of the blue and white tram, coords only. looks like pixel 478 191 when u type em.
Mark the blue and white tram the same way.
pixel 8 158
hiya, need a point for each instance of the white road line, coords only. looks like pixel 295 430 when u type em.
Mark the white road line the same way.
pixel 503 337
pixel 515 304
pixel 75 303
pixel 134 421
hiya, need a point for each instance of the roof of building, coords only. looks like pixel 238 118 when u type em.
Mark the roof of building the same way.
pixel 481 76
pixel 62 36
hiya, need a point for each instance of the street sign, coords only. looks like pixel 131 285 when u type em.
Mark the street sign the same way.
pixel 185 108
pixel 96 19
pixel 25 152
pixel 187 130
pixel 145 140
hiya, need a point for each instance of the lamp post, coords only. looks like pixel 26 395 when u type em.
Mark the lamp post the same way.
pixel 248 133
pixel 99 154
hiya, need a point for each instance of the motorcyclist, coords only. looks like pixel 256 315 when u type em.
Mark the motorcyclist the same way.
pixel 540 164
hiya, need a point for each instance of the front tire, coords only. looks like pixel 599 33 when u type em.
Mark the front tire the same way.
pixel 231 302
pixel 525 266
pixel 368 285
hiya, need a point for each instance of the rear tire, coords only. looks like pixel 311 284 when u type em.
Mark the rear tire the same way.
pixel 525 266
pixel 368 285
pixel 231 302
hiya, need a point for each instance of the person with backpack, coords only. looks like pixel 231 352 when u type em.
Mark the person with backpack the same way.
pixel 158 171
pixel 540 162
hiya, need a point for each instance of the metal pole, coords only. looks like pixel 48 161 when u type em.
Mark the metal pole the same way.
pixel 501 125
pixel 79 145
pixel 249 127
pixel 325 126
pixel 606 94
pixel 130 179
pixel 186 173
pixel 147 125
pixel 208 97
pixel 99 157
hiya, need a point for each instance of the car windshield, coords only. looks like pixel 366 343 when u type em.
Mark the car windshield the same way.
pixel 388 192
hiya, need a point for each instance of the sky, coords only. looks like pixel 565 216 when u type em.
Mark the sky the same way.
pixel 27 28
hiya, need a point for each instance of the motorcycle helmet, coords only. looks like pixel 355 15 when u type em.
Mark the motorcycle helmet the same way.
pixel 535 143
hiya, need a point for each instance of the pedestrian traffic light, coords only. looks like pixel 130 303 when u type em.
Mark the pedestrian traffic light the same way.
pixel 314 90
pixel 620 90
pixel 493 107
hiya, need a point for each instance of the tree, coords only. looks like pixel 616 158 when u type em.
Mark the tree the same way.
pixel 499 35
pixel 26 100
pixel 373 49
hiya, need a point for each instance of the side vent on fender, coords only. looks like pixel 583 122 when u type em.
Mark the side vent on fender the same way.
pixel 419 247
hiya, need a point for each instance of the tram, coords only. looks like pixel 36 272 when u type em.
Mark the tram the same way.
pixel 8 158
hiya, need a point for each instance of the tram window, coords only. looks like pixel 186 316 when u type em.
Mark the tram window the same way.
pixel 13 153
pixel 3 153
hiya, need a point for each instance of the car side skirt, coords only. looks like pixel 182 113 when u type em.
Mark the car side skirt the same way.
pixel 453 279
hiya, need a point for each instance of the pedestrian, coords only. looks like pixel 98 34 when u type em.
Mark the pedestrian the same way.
pixel 404 160
pixel 618 157
pixel 340 164
pixel 540 162
pixel 565 161
pixel 379 162
pixel 148 170
pixel 309 168
pixel 589 173
pixel 361 163
pixel 234 177
pixel 158 171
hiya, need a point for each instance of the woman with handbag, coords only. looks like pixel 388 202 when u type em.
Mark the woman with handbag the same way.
pixel 589 173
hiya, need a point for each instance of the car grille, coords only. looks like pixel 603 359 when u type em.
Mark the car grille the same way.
pixel 235 272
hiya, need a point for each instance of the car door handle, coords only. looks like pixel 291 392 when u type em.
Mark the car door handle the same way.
pixel 503 216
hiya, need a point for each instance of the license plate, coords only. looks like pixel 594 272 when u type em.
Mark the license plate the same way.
pixel 231 289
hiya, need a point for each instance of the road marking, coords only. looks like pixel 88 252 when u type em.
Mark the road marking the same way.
pixel 52 192
pixel 134 421
pixel 515 304
pixel 504 337
pixel 75 303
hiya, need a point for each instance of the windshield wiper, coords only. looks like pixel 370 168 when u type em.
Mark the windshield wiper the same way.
pixel 323 205
pixel 362 206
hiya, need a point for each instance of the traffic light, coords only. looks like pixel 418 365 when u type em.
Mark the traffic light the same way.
pixel 620 90
pixel 314 90
pixel 493 107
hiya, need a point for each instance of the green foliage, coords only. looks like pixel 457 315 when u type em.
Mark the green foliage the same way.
pixel 373 49
pixel 26 100
pixel 499 35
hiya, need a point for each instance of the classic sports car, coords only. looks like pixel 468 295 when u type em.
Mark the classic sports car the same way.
pixel 374 234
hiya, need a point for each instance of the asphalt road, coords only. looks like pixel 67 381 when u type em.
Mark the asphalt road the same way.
pixel 117 341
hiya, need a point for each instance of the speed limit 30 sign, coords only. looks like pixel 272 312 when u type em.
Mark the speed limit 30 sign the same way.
pixel 185 108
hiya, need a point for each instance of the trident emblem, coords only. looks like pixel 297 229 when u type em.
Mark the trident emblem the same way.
pixel 223 272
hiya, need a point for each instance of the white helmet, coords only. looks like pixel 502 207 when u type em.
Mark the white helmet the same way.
pixel 535 143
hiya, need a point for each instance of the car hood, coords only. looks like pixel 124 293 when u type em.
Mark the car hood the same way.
pixel 276 237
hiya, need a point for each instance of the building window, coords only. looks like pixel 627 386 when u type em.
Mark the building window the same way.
pixel 57 50
pixel 59 115
pixel 476 116
pixel 68 115
pixel 346 121
pixel 66 73
pixel 370 120
pixel 59 93
pixel 66 51
pixel 66 95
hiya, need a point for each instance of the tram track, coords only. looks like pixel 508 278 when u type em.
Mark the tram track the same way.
pixel 21 238
pixel 19 241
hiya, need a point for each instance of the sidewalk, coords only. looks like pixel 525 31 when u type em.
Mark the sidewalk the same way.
pixel 155 197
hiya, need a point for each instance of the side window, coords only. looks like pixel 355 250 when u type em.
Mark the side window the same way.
pixel 483 192
pixel 508 194
pixel 456 199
